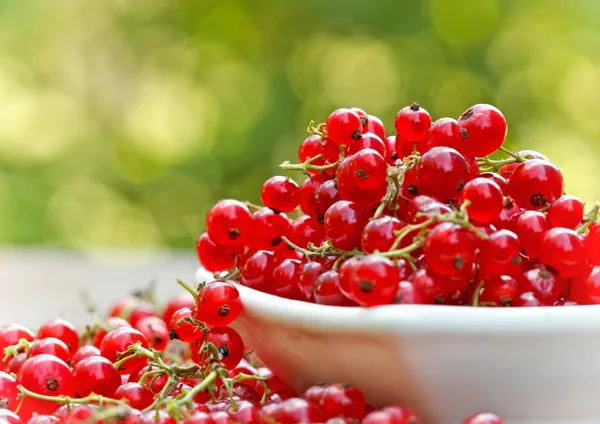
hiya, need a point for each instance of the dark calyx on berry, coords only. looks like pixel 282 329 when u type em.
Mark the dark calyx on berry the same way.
pixel 52 384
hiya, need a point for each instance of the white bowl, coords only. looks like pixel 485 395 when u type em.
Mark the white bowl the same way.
pixel 530 365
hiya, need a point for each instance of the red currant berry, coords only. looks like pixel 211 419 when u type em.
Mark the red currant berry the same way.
pixel 535 183
pixel 412 123
pixel 500 254
pixel 218 304
pixel 428 285
pixel 592 244
pixel 308 277
pixel 368 141
pixel 542 283
pixel 563 251
pixel 508 216
pixel 406 148
pixel 62 330
pixel 342 401
pixel 368 169
pixel 257 272
pixel 449 249
pixel 10 334
pixel 530 226
pixel 8 392
pixel 507 170
pixel 51 346
pixel 375 126
pixel 528 299
pixel 291 411
pixel 483 418
pixel 80 414
pixel 378 234
pixel 374 281
pixel 138 396
pixel 314 146
pixel 285 279
pixel 46 375
pixel 407 294
pixel 307 230
pixel 307 197
pixel 268 227
pixel 96 374
pixel 325 196
pixel 446 132
pixel 500 290
pixel 228 222
pixel 410 186
pixel 156 332
pixel 118 341
pixel 585 289
pixel 344 127
pixel 280 194
pixel 566 211
pixel 229 344
pixel 392 415
pixel 183 327
pixel 442 172
pixel 183 300
pixel 349 191
pixel 110 324
pixel 344 223
pixel 327 290
pixel 486 129
pixel 390 150
pixel 485 200
pixel 498 179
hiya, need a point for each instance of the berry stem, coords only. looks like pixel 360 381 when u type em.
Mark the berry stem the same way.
pixel 64 400
pixel 476 293
pixel 13 351
pixel 191 291
pixel 517 157
pixel 589 219
pixel 307 165
pixel 204 384
pixel 404 252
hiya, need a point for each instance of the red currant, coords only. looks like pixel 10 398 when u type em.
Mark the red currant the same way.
pixel 498 179
pixel 285 279
pixel 374 281
pixel 307 230
pixel 183 300
pixel 314 146
pixel 344 127
pixel 8 392
pixel 446 132
pixel 442 172
pixel 96 374
pixel 485 200
pixel 51 346
pixel 138 396
pixel 407 294
pixel 183 327
pixel 10 334
pixel 392 415
pixel 412 123
pixel 306 283
pixel 428 285
pixel 528 299
pixel 563 251
pixel 485 127
pixel 307 197
pixel 228 222
pixel 62 330
pixel 118 341
pixel 368 141
pixel 325 196
pixel 156 332
pixel 257 271
pixel 368 169
pixel 566 211
pixel 218 304
pixel 530 226
pixel 378 234
pixel 592 244
pixel 375 126
pixel 500 290
pixel 344 223
pixel 449 249
pixel 500 254
pixel 280 194
pixel 229 344
pixel 535 183
pixel 268 227
pixel 542 283
pixel 327 290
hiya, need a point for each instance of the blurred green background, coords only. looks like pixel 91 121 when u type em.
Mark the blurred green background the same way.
pixel 122 122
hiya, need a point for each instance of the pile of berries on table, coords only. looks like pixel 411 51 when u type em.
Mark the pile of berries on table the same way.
pixel 179 364
pixel 424 216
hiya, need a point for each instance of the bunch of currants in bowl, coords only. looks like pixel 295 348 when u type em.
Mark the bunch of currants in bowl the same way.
pixel 425 216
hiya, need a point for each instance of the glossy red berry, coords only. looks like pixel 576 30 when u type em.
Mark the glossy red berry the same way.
pixel 228 222
pixel 327 290
pixel 337 400
pixel 446 132
pixel 592 244
pixel 407 294
pixel 314 146
pixel 485 127
pixel 344 127
pixel 483 418
pixel 285 279
pixel 378 234
pixel 138 396
pixel 374 281
pixel 566 211
pixel 499 290
pixel 268 227
pixel 62 330
pixel 108 325
pixel 412 123
pixel 96 374
pixel 46 375
pixel 155 330
pixel 542 283
pixel 183 326
pixel 216 257
pixel 498 179
pixel 307 197
pixel 367 141
pixel 344 223
pixel 10 334
pixel 8 392
pixel 429 285
pixel 442 172
pixel 51 346
pixel 392 415
pixel 257 271
pixel 563 251
pixel 307 230
pixel 368 169
pixel 229 344
pixel 375 126
pixel 218 304
pixel 508 215
pixel 449 249
pixel 183 300
pixel 535 184
pixel 291 411
pixel 528 299
pixel 530 226
pixel 585 289
pixel 500 254
pixel 485 200
pixel 325 196
pixel 280 194
pixel 349 191
pixel 118 341
pixel 308 277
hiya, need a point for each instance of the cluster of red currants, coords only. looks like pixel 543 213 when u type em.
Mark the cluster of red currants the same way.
pixel 181 363
pixel 422 217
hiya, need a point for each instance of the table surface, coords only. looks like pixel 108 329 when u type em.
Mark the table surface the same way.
pixel 40 284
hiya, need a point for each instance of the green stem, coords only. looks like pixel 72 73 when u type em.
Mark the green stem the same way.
pixel 64 400
pixel 188 289
pixel 404 252
pixel 204 384
pixel 476 294
pixel 307 165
